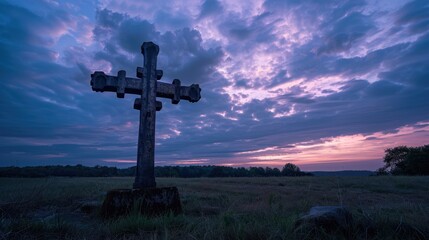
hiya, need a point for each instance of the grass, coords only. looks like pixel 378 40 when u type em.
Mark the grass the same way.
pixel 218 208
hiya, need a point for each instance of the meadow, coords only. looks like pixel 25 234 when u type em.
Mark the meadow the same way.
pixel 383 207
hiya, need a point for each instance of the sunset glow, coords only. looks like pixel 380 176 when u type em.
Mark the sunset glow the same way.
pixel 326 85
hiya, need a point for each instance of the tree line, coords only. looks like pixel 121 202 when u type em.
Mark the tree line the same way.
pixel 401 160
pixel 79 170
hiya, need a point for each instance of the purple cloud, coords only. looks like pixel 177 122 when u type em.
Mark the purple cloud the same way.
pixel 282 81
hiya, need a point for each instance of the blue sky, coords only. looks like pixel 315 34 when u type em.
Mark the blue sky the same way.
pixel 326 85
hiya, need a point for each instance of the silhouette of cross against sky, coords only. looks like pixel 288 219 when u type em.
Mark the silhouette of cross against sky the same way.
pixel 326 85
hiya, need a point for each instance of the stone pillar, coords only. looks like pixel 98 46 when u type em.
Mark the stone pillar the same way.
pixel 145 175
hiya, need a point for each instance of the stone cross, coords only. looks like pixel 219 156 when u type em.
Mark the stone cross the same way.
pixel 147 86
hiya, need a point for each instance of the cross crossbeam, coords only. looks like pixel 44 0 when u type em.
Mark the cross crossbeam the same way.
pixel 120 84
pixel 148 87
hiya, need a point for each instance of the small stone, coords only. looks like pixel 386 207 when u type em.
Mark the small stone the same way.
pixel 147 201
pixel 89 207
pixel 331 218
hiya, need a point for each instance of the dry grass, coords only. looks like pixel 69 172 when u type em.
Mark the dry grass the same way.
pixel 218 208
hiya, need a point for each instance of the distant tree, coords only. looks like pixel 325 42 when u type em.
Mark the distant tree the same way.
pixel 257 171
pixel 217 171
pixel 403 160
pixel 272 172
pixel 290 169
pixel 394 156
pixel 381 172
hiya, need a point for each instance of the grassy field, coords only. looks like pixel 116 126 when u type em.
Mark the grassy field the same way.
pixel 218 208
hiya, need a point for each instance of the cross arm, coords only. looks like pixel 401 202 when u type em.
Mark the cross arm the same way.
pixel 120 84
pixel 175 91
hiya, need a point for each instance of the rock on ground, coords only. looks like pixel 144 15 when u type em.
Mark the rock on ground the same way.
pixel 330 218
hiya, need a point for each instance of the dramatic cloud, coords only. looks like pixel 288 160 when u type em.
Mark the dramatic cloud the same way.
pixel 325 85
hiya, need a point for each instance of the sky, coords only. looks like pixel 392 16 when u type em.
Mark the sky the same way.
pixel 326 85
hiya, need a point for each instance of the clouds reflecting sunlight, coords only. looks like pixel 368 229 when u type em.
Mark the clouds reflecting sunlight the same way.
pixel 326 85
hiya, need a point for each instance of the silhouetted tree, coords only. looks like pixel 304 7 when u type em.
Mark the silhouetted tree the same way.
pixel 257 172
pixel 272 172
pixel 290 169
pixel 403 160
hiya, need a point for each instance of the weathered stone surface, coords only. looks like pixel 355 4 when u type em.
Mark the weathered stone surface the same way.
pixel 148 87
pixel 331 218
pixel 89 207
pixel 147 201
pixel 145 171
pixel 100 82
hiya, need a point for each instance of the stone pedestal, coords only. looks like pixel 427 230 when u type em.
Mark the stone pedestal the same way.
pixel 147 201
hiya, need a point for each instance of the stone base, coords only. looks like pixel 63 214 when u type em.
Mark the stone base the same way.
pixel 149 201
